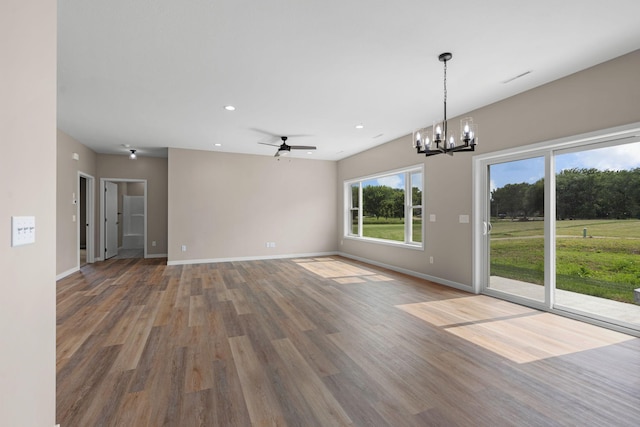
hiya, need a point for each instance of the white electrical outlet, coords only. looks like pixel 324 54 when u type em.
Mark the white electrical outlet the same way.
pixel 463 219
pixel 432 218
pixel 23 230
pixel 184 248
pixel 153 243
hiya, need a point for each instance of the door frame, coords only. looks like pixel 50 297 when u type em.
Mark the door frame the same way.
pixel 102 208
pixel 481 218
pixel 482 223
pixel 89 205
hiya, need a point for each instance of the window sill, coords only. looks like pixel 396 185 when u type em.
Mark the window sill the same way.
pixel 413 246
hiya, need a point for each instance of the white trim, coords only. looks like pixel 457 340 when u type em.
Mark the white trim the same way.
pixel 386 173
pixel 395 243
pixel 434 279
pixel 249 258
pixel 90 206
pixel 594 319
pixel 67 273
pixel 549 228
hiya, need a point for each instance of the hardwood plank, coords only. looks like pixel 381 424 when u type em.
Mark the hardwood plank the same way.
pixel 199 372
pixel 263 406
pixel 324 406
pixel 133 347
pixel 197 310
pixel 324 341
pixel 122 329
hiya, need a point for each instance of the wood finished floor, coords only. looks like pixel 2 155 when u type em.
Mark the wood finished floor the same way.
pixel 326 341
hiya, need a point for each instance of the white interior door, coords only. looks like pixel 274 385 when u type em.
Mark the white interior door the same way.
pixel 111 219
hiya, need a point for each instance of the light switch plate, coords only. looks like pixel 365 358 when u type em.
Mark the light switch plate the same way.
pixel 23 230
pixel 463 219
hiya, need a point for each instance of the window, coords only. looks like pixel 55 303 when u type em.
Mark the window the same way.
pixel 558 225
pixel 386 207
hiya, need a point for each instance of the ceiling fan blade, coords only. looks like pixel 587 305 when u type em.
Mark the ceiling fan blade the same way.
pixel 303 147
pixel 272 145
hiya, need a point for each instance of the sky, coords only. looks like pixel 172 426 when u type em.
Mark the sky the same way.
pixel 620 157
pixel 393 181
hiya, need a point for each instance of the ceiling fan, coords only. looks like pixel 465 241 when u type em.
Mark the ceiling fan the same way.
pixel 284 149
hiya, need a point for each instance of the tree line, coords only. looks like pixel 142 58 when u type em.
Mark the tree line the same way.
pixel 386 202
pixel 580 194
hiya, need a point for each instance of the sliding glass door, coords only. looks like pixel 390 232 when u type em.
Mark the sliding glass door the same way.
pixel 516 240
pixel 598 231
pixel 558 227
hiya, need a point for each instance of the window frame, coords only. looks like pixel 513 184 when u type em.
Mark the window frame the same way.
pixel 409 208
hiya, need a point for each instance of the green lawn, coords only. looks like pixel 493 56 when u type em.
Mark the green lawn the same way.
pixel 605 264
pixel 390 229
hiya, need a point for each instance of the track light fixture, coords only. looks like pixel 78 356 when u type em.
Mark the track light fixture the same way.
pixel 443 140
pixel 133 155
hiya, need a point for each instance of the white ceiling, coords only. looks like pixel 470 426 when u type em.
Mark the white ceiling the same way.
pixel 157 73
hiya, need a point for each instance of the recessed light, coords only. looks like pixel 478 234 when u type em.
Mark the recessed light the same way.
pixel 218 145
pixel 360 126
pixel 229 107
pixel 309 152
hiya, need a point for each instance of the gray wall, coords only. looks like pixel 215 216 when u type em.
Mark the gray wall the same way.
pixel 66 185
pixel 600 97
pixel 28 187
pixel 229 205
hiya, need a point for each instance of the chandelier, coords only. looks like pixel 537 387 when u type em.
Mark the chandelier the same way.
pixel 444 141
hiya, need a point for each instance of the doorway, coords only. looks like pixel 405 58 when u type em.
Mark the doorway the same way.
pixel 123 218
pixel 557 226
pixel 85 215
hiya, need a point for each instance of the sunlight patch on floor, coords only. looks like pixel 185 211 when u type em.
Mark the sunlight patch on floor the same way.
pixel 341 272
pixel 517 333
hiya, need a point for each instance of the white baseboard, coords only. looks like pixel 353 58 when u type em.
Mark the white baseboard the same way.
pixel 450 283
pixel 249 258
pixel 67 273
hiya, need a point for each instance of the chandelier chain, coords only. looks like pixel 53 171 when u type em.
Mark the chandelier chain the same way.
pixel 445 82
pixel 445 101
